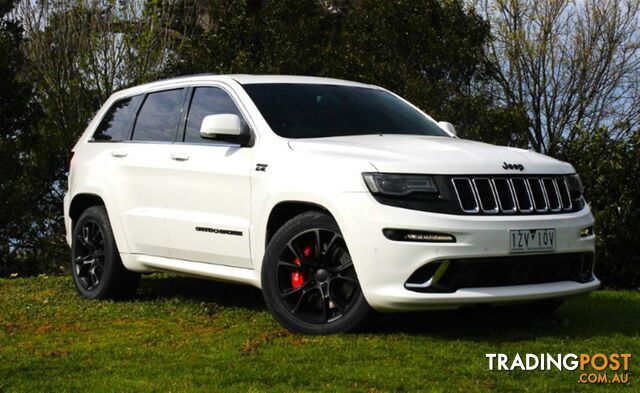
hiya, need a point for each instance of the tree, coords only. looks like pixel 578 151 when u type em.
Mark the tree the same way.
pixel 430 52
pixel 570 65
pixel 241 36
pixel 74 55
pixel 610 167
pixel 18 112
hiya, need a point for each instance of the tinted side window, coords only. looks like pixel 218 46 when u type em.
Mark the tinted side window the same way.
pixel 116 123
pixel 207 101
pixel 159 116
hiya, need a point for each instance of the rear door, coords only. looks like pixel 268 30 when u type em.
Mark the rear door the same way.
pixel 137 173
pixel 209 187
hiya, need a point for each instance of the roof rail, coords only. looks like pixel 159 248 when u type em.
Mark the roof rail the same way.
pixel 186 76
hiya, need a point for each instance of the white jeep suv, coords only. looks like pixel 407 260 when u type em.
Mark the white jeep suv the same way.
pixel 335 198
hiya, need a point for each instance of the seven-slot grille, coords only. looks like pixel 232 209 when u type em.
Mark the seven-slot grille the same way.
pixel 510 195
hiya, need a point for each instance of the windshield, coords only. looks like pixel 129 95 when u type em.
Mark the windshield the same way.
pixel 314 111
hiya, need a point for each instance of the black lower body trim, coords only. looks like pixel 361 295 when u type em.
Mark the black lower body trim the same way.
pixel 447 276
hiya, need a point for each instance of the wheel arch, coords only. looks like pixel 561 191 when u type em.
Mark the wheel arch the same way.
pixel 82 202
pixel 279 212
pixel 91 197
pixel 286 210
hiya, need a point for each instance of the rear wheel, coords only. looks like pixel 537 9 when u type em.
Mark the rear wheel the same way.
pixel 308 278
pixel 96 266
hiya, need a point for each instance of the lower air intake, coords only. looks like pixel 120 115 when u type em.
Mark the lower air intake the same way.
pixel 448 276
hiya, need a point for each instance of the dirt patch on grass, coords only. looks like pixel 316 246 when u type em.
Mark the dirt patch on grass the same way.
pixel 20 324
pixel 252 346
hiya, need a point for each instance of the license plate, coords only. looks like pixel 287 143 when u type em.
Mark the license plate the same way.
pixel 532 240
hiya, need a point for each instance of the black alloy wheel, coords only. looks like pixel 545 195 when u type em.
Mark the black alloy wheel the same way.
pixel 316 278
pixel 309 279
pixel 97 269
pixel 88 255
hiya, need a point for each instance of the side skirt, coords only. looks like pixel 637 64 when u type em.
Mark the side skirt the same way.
pixel 148 264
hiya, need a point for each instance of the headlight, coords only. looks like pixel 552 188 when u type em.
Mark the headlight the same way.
pixel 574 183
pixel 399 185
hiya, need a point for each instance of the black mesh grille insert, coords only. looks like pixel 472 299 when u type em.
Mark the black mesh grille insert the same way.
pixel 538 194
pixel 488 201
pixel 564 193
pixel 552 194
pixel 505 196
pixel 522 195
pixel 465 195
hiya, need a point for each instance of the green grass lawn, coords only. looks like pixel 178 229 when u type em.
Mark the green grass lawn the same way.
pixel 183 334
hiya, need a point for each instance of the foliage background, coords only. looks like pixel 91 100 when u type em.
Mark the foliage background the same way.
pixel 62 59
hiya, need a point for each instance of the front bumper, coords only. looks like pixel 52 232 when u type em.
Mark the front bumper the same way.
pixel 383 266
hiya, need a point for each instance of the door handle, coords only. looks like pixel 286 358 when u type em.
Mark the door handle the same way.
pixel 118 153
pixel 179 156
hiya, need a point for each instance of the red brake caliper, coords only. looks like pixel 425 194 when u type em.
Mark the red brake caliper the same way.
pixel 297 277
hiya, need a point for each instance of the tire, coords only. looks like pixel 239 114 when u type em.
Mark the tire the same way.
pixel 98 272
pixel 308 279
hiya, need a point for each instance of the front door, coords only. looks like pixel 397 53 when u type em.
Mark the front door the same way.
pixel 208 188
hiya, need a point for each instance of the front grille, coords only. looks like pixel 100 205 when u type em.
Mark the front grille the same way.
pixel 491 195
pixel 450 275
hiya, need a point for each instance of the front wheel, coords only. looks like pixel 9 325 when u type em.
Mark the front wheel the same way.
pixel 308 279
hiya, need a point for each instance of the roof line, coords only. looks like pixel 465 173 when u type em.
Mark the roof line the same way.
pixel 186 76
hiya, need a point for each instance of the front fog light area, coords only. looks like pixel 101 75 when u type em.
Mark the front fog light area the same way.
pixel 426 278
pixel 418 236
pixel 586 232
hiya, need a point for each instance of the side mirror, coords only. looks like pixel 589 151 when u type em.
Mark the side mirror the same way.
pixel 224 124
pixel 447 127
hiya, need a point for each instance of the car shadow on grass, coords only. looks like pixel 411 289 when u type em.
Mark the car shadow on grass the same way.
pixel 163 286
pixel 582 317
pixel 578 318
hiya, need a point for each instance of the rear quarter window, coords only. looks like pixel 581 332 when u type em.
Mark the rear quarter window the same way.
pixel 117 122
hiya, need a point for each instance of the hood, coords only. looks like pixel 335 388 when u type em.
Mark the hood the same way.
pixel 431 154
